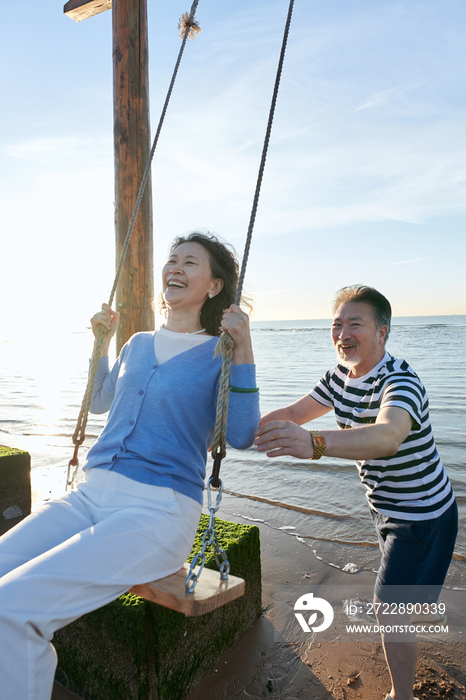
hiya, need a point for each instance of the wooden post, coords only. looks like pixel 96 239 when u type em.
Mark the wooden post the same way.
pixel 131 148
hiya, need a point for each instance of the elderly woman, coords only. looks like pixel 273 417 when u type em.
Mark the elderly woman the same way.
pixel 135 516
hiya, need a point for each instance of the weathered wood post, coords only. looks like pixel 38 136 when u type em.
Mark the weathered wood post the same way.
pixel 131 148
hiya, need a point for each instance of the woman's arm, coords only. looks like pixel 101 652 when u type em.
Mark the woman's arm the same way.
pixel 243 407
pixel 103 391
pixel 104 383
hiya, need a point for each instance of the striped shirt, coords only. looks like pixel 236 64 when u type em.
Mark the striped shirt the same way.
pixel 413 484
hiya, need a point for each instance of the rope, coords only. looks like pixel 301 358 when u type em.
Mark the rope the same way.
pixel 264 153
pixel 190 22
pixel 226 344
pixel 190 27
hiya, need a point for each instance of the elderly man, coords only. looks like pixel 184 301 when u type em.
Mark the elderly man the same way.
pixel 411 500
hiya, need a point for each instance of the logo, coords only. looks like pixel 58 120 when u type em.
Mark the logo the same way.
pixel 308 603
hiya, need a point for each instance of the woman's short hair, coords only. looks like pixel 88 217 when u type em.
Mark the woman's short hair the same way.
pixel 367 295
pixel 224 266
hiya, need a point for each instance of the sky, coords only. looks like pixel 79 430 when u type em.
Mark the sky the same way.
pixel 366 171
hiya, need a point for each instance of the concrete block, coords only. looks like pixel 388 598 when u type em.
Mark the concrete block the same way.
pixel 133 649
pixel 15 483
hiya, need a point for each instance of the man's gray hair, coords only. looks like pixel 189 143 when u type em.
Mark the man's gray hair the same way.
pixel 368 295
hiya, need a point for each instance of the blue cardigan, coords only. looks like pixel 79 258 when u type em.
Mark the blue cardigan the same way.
pixel 162 417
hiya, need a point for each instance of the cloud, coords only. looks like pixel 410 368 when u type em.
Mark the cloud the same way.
pixel 62 151
pixel 385 96
pixel 271 294
pixel 31 150
pixel 401 262
pixel 404 262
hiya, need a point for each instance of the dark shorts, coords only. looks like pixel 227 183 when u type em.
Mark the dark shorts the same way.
pixel 416 555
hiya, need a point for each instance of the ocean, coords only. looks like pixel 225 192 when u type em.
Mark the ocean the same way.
pixel 322 503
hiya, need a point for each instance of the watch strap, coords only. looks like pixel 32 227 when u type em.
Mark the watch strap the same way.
pixel 319 444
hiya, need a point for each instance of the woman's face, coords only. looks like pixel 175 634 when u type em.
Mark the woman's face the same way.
pixel 187 278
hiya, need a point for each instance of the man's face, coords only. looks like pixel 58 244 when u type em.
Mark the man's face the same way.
pixel 358 342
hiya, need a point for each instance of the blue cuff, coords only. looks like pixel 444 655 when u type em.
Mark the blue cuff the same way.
pixel 243 376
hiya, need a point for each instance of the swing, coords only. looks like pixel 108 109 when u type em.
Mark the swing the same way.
pixel 185 591
pixel 210 593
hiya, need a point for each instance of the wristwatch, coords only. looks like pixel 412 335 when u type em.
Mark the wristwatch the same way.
pixel 318 442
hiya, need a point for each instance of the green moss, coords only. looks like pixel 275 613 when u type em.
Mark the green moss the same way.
pixel 15 470
pixel 228 534
pixel 132 649
pixel 106 654
pixel 10 451
pixel 214 633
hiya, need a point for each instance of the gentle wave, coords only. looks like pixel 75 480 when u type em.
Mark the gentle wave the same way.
pixel 438 325
pixel 318 329
pixel 49 435
pixel 289 330
pixel 68 436
pixel 310 511
pixel 347 543
pixel 286 506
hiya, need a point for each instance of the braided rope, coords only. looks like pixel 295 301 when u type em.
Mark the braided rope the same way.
pixel 189 23
pixel 226 343
pixel 80 432
pixel 224 347
pixel 264 153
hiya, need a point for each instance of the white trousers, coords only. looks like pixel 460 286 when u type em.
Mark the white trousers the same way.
pixel 76 554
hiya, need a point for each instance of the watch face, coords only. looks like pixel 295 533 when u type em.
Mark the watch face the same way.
pixel 319 440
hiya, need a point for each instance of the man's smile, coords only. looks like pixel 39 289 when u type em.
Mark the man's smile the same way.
pixel 347 346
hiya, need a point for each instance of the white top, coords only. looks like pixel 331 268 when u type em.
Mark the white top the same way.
pixel 167 344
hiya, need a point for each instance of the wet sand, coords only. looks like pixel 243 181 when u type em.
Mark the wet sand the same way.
pixel 264 663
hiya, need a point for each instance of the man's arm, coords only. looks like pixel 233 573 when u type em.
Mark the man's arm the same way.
pixel 380 439
pixel 299 412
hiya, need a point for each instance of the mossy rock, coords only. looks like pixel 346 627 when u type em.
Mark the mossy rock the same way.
pixel 15 483
pixel 133 649
pixel 9 451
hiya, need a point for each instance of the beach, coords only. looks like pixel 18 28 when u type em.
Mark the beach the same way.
pixel 264 664
pixel 274 659
pixel 313 517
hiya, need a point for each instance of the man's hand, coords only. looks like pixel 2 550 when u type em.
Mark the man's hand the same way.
pixel 378 440
pixel 279 438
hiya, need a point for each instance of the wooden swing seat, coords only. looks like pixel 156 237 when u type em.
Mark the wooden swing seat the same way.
pixel 209 594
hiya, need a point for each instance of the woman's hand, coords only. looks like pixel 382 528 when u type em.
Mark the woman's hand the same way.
pixel 236 322
pixel 109 319
pixel 279 437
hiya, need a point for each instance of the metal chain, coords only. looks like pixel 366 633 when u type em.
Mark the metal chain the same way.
pixel 208 538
